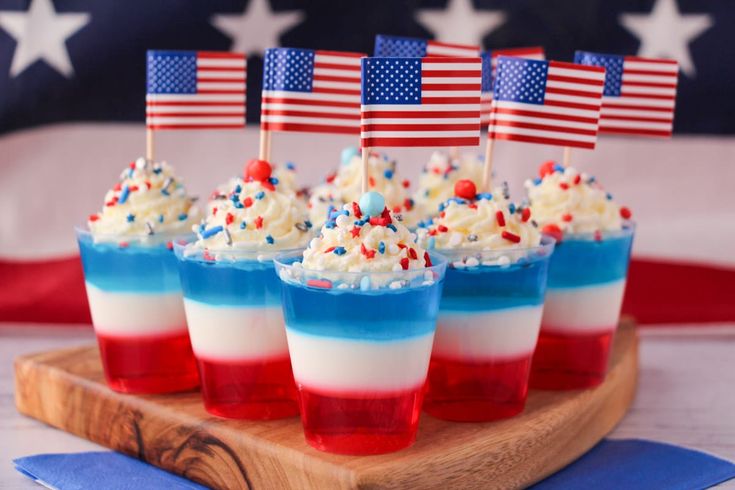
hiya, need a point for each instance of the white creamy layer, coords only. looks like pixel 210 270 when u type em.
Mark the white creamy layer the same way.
pixel 235 333
pixel 586 309
pixel 136 314
pixel 487 335
pixel 329 363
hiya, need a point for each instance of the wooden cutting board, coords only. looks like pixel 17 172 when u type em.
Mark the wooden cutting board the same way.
pixel 66 389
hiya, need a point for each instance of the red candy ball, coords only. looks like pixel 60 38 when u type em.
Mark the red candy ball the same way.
pixel 465 189
pixel 546 168
pixel 258 170
pixel 553 231
pixel 625 213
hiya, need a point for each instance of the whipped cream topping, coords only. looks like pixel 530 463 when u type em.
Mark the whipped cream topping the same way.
pixel 437 179
pixel 148 200
pixel 480 223
pixel 253 216
pixel 566 201
pixel 322 198
pixel 345 187
pixel 353 242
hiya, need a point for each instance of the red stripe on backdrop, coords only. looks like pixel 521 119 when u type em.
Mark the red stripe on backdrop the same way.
pixel 45 292
pixel 679 292
pixel 657 292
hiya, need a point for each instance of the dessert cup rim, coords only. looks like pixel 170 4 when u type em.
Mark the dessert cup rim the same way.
pixel 547 244
pixel 232 255
pixel 84 231
pixel 628 229
pixel 438 261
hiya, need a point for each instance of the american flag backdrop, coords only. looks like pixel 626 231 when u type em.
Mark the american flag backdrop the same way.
pixel 420 102
pixel 311 91
pixel 639 96
pixel 73 111
pixel 196 90
pixel 408 47
pixel 547 102
pixel 489 60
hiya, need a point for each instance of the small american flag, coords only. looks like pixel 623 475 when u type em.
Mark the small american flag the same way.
pixel 547 102
pixel 639 95
pixel 420 102
pixel 489 60
pixel 409 47
pixel 195 90
pixel 311 91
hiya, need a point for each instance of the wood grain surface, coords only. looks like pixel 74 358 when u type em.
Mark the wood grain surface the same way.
pixel 65 389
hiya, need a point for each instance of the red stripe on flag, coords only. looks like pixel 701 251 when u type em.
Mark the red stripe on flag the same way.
pixel 194 103
pixel 635 131
pixel 220 55
pixel 320 103
pixel 540 140
pixel 617 105
pixel 544 127
pixel 195 114
pixel 583 81
pixel 217 91
pixel 220 80
pixel 420 127
pixel 575 93
pixel 451 100
pixel 333 78
pixel 335 91
pixel 195 126
pixel 450 73
pixel 640 119
pixel 572 105
pixel 419 142
pixel 543 115
pixel 336 66
pixel 417 114
pixel 452 59
pixel 450 86
pixel 330 115
pixel 308 128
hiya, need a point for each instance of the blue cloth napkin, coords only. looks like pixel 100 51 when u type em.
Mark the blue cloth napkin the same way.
pixel 109 470
pixel 635 464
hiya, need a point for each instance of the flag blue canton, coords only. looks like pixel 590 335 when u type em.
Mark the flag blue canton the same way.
pixel 399 47
pixel 520 80
pixel 171 72
pixel 613 65
pixel 486 84
pixel 290 70
pixel 391 81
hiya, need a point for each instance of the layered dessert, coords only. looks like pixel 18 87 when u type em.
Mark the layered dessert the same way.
pixel 232 297
pixel 586 277
pixel 491 308
pixel 132 283
pixel 345 186
pixel 437 179
pixel 360 306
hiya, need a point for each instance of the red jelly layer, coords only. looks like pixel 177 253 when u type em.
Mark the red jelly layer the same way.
pixel 570 361
pixel 477 391
pixel 360 423
pixel 145 364
pixel 259 390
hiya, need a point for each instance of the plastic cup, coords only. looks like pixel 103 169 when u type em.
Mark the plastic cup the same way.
pixel 233 309
pixel 137 311
pixel 360 346
pixel 488 325
pixel 582 309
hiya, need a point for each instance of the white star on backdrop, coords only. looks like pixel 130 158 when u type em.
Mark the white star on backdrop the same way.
pixel 257 28
pixel 666 32
pixel 460 22
pixel 41 34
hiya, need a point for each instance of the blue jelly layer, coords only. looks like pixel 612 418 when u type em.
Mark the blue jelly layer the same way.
pixel 584 262
pixel 479 289
pixel 223 283
pixel 384 315
pixel 136 268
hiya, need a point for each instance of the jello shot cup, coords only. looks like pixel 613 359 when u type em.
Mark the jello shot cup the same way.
pixel 138 314
pixel 585 292
pixel 488 326
pixel 360 345
pixel 233 309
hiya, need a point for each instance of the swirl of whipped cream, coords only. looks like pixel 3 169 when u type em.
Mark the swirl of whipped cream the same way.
pixel 437 179
pixel 254 216
pixel 565 199
pixel 383 179
pixel 322 198
pixel 350 242
pixel 483 223
pixel 148 200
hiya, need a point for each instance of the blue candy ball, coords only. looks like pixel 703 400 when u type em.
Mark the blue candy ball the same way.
pixel 372 203
pixel 348 154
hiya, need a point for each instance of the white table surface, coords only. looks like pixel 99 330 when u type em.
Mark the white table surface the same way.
pixel 685 395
